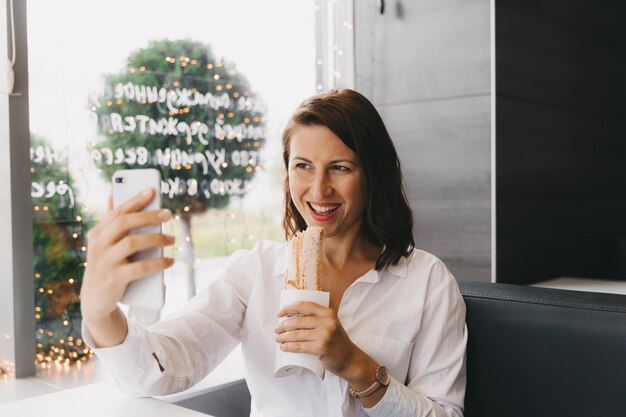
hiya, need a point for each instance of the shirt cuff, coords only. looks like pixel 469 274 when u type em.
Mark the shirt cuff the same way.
pixel 123 358
pixel 399 400
pixel 388 404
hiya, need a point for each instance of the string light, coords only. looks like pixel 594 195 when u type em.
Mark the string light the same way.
pixel 65 349
pixel 56 295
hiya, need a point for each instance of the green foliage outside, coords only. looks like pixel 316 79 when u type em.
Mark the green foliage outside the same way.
pixel 179 109
pixel 59 226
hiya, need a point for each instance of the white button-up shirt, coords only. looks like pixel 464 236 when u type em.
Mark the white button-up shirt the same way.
pixel 409 317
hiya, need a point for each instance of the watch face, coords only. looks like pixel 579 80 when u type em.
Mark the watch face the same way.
pixel 382 375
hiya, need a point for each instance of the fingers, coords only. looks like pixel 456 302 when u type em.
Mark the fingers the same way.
pixel 139 269
pixel 308 347
pixel 136 203
pixel 318 332
pixel 132 244
pixel 305 322
pixel 306 308
pixel 120 226
pixel 297 336
pixel 300 340
pixel 133 205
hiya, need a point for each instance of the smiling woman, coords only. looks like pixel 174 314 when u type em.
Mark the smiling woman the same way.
pixel 355 152
pixel 393 336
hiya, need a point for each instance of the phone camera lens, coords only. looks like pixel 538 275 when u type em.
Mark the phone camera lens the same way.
pixel 120 180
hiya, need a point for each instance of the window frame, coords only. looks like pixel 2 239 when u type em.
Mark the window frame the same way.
pixel 17 327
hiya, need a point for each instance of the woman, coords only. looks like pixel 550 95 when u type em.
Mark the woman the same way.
pixel 393 339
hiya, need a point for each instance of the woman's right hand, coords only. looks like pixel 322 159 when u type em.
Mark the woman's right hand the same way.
pixel 108 271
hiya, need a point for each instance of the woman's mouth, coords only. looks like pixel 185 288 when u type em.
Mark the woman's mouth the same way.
pixel 323 212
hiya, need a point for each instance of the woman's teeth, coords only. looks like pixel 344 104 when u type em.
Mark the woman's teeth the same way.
pixel 323 209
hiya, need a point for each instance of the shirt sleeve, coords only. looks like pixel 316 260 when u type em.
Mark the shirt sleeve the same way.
pixel 176 353
pixel 436 379
pixel 399 400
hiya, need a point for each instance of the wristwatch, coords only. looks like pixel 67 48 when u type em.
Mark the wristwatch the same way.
pixel 382 380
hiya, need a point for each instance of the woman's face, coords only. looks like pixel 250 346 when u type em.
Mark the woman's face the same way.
pixel 326 181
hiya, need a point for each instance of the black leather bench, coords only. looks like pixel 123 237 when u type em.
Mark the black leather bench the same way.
pixel 544 352
pixel 532 352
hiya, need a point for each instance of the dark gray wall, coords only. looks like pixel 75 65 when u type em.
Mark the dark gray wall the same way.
pixel 561 139
pixel 426 67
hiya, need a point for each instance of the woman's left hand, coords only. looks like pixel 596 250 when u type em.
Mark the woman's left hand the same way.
pixel 317 330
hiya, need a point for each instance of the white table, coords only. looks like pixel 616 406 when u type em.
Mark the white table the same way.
pixel 95 400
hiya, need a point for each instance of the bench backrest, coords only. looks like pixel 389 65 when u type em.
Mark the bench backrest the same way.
pixel 535 352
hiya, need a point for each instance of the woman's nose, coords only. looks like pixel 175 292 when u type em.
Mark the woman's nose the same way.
pixel 321 186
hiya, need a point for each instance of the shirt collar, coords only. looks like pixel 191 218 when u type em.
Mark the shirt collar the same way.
pixel 401 268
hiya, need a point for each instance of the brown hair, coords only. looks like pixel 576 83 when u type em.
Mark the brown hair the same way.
pixel 388 220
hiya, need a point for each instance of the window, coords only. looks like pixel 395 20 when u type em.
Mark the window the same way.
pixel 199 90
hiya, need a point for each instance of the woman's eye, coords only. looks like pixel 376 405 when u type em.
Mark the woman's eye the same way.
pixel 301 165
pixel 340 168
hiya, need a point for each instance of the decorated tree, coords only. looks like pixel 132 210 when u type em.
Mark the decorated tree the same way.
pixel 178 108
pixel 59 226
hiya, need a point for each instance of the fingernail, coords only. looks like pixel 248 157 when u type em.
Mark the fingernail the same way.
pixel 165 214
pixel 171 239
pixel 147 191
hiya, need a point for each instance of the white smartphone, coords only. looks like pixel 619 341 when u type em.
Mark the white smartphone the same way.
pixel 147 292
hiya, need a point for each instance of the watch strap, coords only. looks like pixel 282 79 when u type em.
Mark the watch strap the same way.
pixel 372 388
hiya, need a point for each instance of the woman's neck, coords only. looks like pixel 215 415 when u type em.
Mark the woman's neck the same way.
pixel 355 248
pixel 344 260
